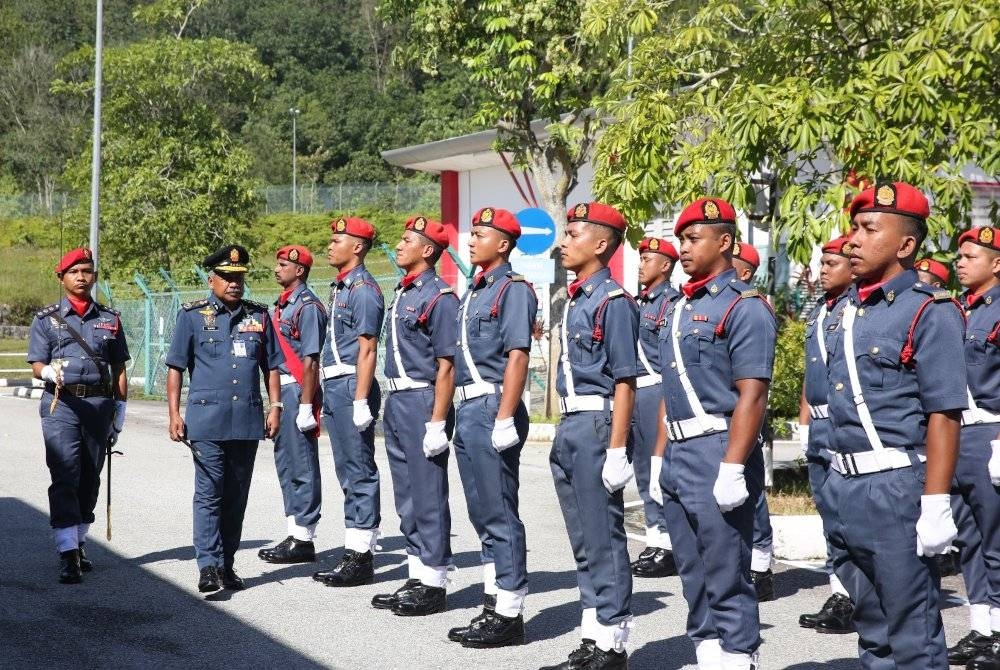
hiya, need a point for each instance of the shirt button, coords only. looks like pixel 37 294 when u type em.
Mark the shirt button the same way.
pixel 695 331
pixel 236 381
pixel 861 312
pixel 874 350
pixel 673 364
pixel 687 306
pixel 813 359
pixel 572 302
pixel 839 386
pixel 236 397
pixel 234 366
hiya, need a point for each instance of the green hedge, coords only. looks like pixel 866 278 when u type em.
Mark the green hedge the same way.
pixel 789 371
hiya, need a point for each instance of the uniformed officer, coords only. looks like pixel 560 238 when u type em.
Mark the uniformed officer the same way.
pixel 77 346
pixel 496 318
pixel 932 272
pixel 419 370
pixel 814 420
pixel 746 260
pixel 589 459
pixel 351 396
pixel 895 401
pixel 225 343
pixel 977 472
pixel 656 261
pixel 299 322
pixel 717 352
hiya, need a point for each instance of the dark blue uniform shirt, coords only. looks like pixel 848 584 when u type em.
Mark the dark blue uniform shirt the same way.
pixel 602 348
pixel 423 324
pixel 224 354
pixel 652 306
pixel 816 381
pixel 499 314
pixel 714 361
pixel 899 396
pixel 302 320
pixel 99 327
pixel 356 308
pixel 982 349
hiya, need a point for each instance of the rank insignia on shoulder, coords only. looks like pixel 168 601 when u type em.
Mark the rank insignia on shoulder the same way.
pixel 514 277
pixel 941 296
pixel 48 310
pixel 255 305
pixel 750 293
pixel 195 304
pixel 447 289
pixel 617 292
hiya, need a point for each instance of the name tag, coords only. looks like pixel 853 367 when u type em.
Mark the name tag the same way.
pixel 240 349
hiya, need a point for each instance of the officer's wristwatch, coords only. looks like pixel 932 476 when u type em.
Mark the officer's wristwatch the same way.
pixel 279 405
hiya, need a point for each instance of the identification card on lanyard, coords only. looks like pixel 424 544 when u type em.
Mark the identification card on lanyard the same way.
pixel 239 349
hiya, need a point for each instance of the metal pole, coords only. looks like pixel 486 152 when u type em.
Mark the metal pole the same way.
pixel 294 111
pixel 95 162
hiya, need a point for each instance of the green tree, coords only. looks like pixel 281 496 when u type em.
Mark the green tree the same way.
pixel 817 94
pixel 175 184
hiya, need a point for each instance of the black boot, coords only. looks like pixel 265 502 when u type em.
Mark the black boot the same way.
pixel 835 606
pixel 69 567
pixel 208 579
pixel 838 618
pixel 495 630
pixel 607 660
pixel 988 660
pixel 763 584
pixel 489 606
pixel 263 552
pixel 421 600
pixel 386 601
pixel 354 569
pixel 295 551
pixel 231 580
pixel 658 563
pixel 86 565
pixel 578 658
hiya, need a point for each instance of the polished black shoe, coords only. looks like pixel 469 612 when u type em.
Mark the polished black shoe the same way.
pixel 988 660
pixel 607 660
pixel 646 554
pixel 489 606
pixel 386 601
pixel 263 552
pixel 209 579
pixel 836 616
pixel 421 600
pixel 578 658
pixel 763 584
pixel 86 565
pixel 969 647
pixel 295 551
pixel 658 564
pixel 232 581
pixel 69 567
pixel 495 630
pixel 355 568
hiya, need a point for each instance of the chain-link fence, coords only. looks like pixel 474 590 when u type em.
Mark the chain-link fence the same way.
pixel 345 197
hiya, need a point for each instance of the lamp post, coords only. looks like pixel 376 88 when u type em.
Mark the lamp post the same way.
pixel 294 111
pixel 95 162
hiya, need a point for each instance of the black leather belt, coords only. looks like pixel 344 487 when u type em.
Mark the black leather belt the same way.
pixel 81 390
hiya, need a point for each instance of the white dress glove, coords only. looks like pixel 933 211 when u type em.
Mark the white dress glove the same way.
pixel 617 470
pixel 49 374
pixel 362 414
pixel 655 467
pixel 305 419
pixel 730 488
pixel 804 437
pixel 504 434
pixel 119 421
pixel 935 527
pixel 994 464
pixel 435 440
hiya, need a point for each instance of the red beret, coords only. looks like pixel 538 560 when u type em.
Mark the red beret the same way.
pixel 939 270
pixel 74 257
pixel 841 246
pixel 296 254
pixel 596 212
pixel 659 246
pixel 430 229
pixel 746 253
pixel 501 219
pixel 984 237
pixel 705 210
pixel 352 225
pixel 893 197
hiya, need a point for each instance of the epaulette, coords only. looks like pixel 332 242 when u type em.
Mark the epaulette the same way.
pixel 750 293
pixel 938 294
pixel 514 277
pixel 616 293
pixel 250 303
pixel 195 304
pixel 48 310
pixel 447 289
pixel 306 297
pixel 105 308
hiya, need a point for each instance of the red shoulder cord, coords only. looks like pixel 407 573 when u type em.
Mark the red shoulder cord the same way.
pixel 907 354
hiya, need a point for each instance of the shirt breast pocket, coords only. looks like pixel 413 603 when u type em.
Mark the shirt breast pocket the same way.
pixel 698 345
pixel 878 362
pixel 583 349
pixel 484 326
pixel 407 328
pixel 343 320
pixel 976 346
pixel 252 344
pixel 210 346
pixel 649 333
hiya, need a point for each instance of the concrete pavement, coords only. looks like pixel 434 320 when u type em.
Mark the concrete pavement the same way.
pixel 140 608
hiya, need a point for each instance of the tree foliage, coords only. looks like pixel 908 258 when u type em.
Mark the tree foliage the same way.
pixel 821 95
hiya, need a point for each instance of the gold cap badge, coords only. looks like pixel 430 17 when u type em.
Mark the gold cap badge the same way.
pixel 986 235
pixel 420 223
pixel 737 249
pixel 341 225
pixel 486 216
pixel 885 196
pixel 710 210
pixel 654 244
pixel 580 211
pixel 293 255
pixel 234 255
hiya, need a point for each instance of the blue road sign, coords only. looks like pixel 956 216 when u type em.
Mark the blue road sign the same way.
pixel 538 231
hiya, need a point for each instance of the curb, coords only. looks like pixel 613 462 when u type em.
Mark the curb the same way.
pixel 30 381
pixel 26 392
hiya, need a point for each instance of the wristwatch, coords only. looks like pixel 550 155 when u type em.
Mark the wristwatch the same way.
pixel 279 405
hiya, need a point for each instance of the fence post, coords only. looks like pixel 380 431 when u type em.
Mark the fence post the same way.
pixel 147 339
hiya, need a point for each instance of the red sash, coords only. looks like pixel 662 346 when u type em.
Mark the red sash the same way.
pixel 294 364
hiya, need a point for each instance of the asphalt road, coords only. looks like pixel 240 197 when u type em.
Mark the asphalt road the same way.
pixel 140 608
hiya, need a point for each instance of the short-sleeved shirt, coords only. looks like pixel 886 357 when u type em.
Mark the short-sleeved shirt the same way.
pixel 601 325
pixel 224 353
pixel 899 394
pixel 982 348
pixel 422 327
pixel 496 316
pixel 355 308
pixel 816 382
pixel 652 306
pixel 100 327
pixel 726 332
pixel 302 321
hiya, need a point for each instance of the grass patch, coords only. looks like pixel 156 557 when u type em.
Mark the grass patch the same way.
pixel 8 345
pixel 791 494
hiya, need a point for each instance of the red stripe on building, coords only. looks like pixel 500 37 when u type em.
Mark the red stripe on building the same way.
pixel 449 218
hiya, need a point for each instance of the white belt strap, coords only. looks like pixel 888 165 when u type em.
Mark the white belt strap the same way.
pixel 564 358
pixel 333 334
pixel 404 379
pixel 337 370
pixel 675 338
pixel 647 380
pixel 286 380
pixel 975 414
pixel 466 354
pixel 820 335
pixel 819 411
pixel 850 311
pixel 643 359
